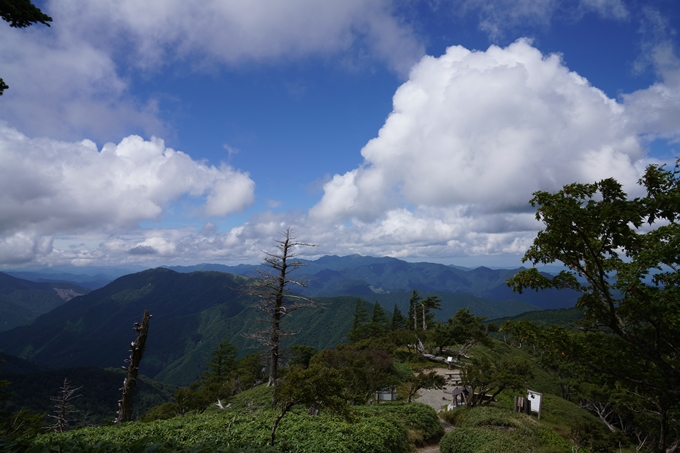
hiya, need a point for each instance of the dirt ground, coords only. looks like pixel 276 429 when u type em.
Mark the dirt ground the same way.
pixel 436 399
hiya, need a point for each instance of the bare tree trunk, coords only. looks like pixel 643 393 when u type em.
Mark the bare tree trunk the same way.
pixel 136 352
pixel 275 300
pixel 63 407
pixel 283 412
pixel 277 314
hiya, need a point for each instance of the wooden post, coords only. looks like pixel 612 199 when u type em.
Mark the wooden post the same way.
pixel 136 352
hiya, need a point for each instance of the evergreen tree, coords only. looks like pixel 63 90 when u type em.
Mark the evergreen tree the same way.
pixel 420 311
pixel 301 355
pixel 251 371
pixel 429 304
pixel 223 363
pixel 379 322
pixel 398 320
pixel 360 328
pixel 360 314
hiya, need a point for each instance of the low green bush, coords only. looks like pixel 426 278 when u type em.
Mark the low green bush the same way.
pixel 489 429
pixel 379 428
pixel 470 440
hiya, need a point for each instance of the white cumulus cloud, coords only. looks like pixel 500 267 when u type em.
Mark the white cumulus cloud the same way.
pixel 486 129
pixel 51 187
pixel 471 136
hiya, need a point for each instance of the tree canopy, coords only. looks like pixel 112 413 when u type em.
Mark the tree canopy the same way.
pixel 622 254
pixel 21 14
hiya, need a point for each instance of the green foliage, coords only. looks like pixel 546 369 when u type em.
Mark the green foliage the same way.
pixel 317 387
pixel 420 314
pixel 402 372
pixel 250 371
pixel 383 428
pixel 593 436
pixel 490 430
pixel 363 370
pixel 399 322
pixel 360 314
pixel 564 317
pixel 424 379
pixel 137 446
pixel 223 364
pixel 629 283
pixel 379 320
pixel 301 355
pixel 22 13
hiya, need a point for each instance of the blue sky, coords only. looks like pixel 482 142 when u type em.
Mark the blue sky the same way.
pixel 178 132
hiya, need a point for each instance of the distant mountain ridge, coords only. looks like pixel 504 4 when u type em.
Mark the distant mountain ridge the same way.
pixel 353 275
pixel 365 276
pixel 192 314
pixel 22 301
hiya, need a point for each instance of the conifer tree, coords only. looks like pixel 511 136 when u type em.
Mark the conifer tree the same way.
pixel 360 314
pixel 420 311
pixel 378 320
pixel 359 322
pixel 398 320
pixel 223 363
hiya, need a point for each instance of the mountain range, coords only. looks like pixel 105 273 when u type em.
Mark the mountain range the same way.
pixel 22 301
pixel 366 276
pixel 192 314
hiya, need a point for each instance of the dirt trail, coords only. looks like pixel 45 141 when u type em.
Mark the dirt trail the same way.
pixel 435 399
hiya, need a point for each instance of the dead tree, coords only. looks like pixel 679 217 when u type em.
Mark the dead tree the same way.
pixel 63 407
pixel 274 298
pixel 136 352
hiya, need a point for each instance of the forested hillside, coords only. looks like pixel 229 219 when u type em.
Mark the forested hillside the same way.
pixel 192 313
pixel 22 301
pixel 367 276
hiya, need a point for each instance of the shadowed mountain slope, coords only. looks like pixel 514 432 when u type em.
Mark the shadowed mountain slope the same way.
pixel 22 301
pixel 192 314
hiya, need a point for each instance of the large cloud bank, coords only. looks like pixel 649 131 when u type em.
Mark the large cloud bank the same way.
pixel 50 188
pixel 472 135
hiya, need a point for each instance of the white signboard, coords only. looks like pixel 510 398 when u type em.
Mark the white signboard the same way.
pixel 536 399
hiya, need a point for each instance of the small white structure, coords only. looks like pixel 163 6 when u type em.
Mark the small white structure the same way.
pixel 387 394
pixel 536 399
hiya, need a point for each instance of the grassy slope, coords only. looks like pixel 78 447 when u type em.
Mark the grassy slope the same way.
pixel 496 428
pixel 379 428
